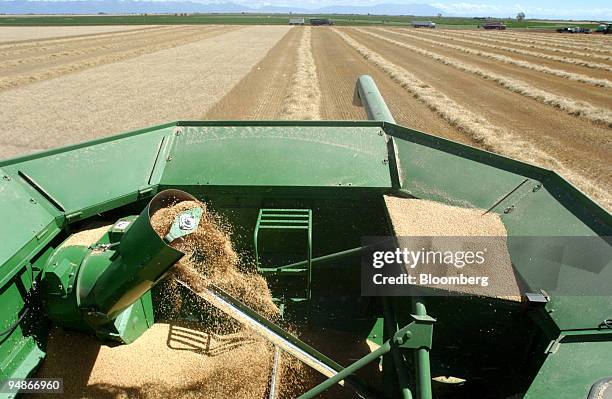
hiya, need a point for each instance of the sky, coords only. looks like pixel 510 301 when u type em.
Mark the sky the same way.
pixel 582 9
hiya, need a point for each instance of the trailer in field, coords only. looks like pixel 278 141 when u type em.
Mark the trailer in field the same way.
pixel 320 21
pixel 494 25
pixel 424 24
pixel 297 21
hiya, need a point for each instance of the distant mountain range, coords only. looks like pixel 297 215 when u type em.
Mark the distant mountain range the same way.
pixel 164 7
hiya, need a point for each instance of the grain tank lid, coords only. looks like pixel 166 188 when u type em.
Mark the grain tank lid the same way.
pixel 315 154
pixel 82 179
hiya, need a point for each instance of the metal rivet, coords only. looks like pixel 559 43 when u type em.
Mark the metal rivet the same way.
pixel 509 209
pixel 536 188
pixel 169 159
pixel 385 161
pixel 6 177
pixel 32 200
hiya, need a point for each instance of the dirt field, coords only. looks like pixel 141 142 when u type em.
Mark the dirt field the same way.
pixel 542 98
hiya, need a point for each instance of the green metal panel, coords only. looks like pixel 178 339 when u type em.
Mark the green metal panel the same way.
pixel 23 221
pixel 81 179
pixel 570 372
pixel 279 156
pixel 428 173
pixel 437 169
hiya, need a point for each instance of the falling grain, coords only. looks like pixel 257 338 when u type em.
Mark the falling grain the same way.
pixel 210 254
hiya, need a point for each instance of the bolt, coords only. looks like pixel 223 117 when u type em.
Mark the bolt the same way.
pixel 536 188
pixel 380 133
pixel 32 200
pixel 6 177
pixel 169 158
pixel 509 209
pixel 385 161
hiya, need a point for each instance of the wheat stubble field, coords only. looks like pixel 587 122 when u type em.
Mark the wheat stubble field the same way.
pixel 540 98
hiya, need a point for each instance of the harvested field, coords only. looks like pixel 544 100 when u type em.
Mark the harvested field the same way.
pixel 539 55
pixel 176 83
pixel 304 101
pixel 18 33
pixel 540 98
pixel 540 66
pixel 69 57
pixel 528 44
pixel 594 114
pixel 548 41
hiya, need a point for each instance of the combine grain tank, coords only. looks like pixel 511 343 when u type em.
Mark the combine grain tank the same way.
pixel 301 197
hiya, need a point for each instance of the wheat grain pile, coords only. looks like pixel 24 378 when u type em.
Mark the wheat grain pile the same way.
pixel 167 361
pixel 219 360
pixel 421 219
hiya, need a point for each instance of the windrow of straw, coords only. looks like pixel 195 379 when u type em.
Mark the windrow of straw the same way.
pixel 525 43
pixel 523 64
pixel 510 38
pixel 303 102
pixel 563 59
pixel 572 107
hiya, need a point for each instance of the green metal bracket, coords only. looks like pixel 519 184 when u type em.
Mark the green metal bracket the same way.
pixel 185 223
pixel 288 220
pixel 416 335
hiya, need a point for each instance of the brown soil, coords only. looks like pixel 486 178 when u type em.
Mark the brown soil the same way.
pixel 533 45
pixel 260 95
pixel 582 74
pixel 339 66
pixel 581 146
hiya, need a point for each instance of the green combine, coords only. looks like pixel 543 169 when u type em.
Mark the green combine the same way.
pixel 301 196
